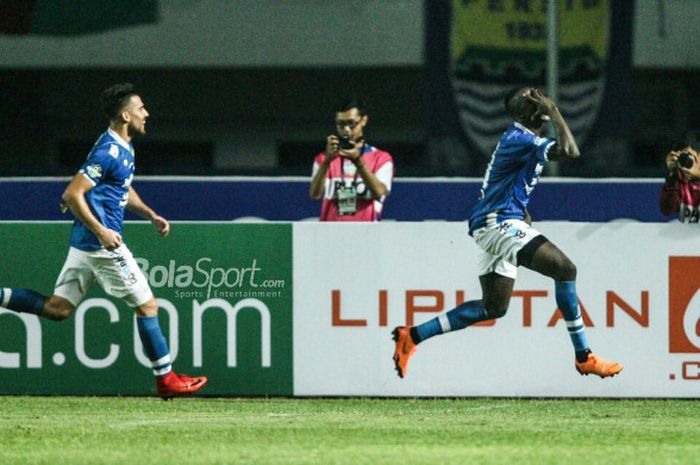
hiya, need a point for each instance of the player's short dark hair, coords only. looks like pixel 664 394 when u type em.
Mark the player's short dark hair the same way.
pixel 115 98
pixel 349 102
pixel 690 139
pixel 514 106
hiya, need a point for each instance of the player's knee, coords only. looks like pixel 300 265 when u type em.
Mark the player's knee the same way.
pixel 57 309
pixel 147 309
pixel 496 312
pixel 567 271
pixel 496 305
pixel 58 314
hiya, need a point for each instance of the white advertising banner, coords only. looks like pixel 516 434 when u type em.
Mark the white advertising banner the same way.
pixel 637 285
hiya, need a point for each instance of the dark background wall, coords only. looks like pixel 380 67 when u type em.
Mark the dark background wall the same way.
pixel 206 121
pixel 50 118
pixel 246 88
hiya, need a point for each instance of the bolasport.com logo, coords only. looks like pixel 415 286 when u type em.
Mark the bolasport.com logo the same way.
pixel 207 279
pixel 684 313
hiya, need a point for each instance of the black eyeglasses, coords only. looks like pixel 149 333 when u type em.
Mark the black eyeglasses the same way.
pixel 352 124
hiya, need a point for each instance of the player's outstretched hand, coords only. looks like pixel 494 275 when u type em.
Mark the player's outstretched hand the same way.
pixel 161 225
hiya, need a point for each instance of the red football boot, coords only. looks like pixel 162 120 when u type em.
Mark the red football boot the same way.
pixel 173 385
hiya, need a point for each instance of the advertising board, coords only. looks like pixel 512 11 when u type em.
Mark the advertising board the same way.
pixel 224 290
pixel 637 286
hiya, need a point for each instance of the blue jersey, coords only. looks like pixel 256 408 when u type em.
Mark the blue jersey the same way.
pixel 511 175
pixel 110 169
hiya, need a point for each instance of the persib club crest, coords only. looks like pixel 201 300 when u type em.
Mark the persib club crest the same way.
pixel 496 46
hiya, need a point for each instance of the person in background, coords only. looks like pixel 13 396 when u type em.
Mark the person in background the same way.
pixel 681 190
pixel 351 178
pixel 500 225
pixel 97 195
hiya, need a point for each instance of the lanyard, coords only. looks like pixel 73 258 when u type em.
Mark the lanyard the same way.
pixel 342 166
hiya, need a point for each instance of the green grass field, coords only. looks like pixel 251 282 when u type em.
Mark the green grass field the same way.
pixel 145 431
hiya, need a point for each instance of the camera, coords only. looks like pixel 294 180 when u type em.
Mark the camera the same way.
pixel 685 160
pixel 346 143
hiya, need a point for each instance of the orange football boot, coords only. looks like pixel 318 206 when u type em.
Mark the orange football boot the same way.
pixel 598 366
pixel 405 347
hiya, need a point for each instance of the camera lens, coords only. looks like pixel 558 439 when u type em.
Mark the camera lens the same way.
pixel 346 143
pixel 685 160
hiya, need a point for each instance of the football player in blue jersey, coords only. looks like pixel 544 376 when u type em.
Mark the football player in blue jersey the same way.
pixel 500 225
pixel 97 195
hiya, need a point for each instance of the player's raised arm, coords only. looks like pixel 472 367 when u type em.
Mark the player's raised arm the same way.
pixel 566 144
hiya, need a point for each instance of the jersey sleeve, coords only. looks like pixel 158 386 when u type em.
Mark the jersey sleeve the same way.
pixel 317 163
pixel 100 163
pixel 385 169
pixel 541 145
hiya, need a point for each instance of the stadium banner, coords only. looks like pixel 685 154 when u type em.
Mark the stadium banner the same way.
pixel 225 295
pixel 287 199
pixel 477 50
pixel 637 283
pixel 234 306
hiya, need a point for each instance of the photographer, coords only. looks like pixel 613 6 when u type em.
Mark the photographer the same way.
pixel 681 191
pixel 352 177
